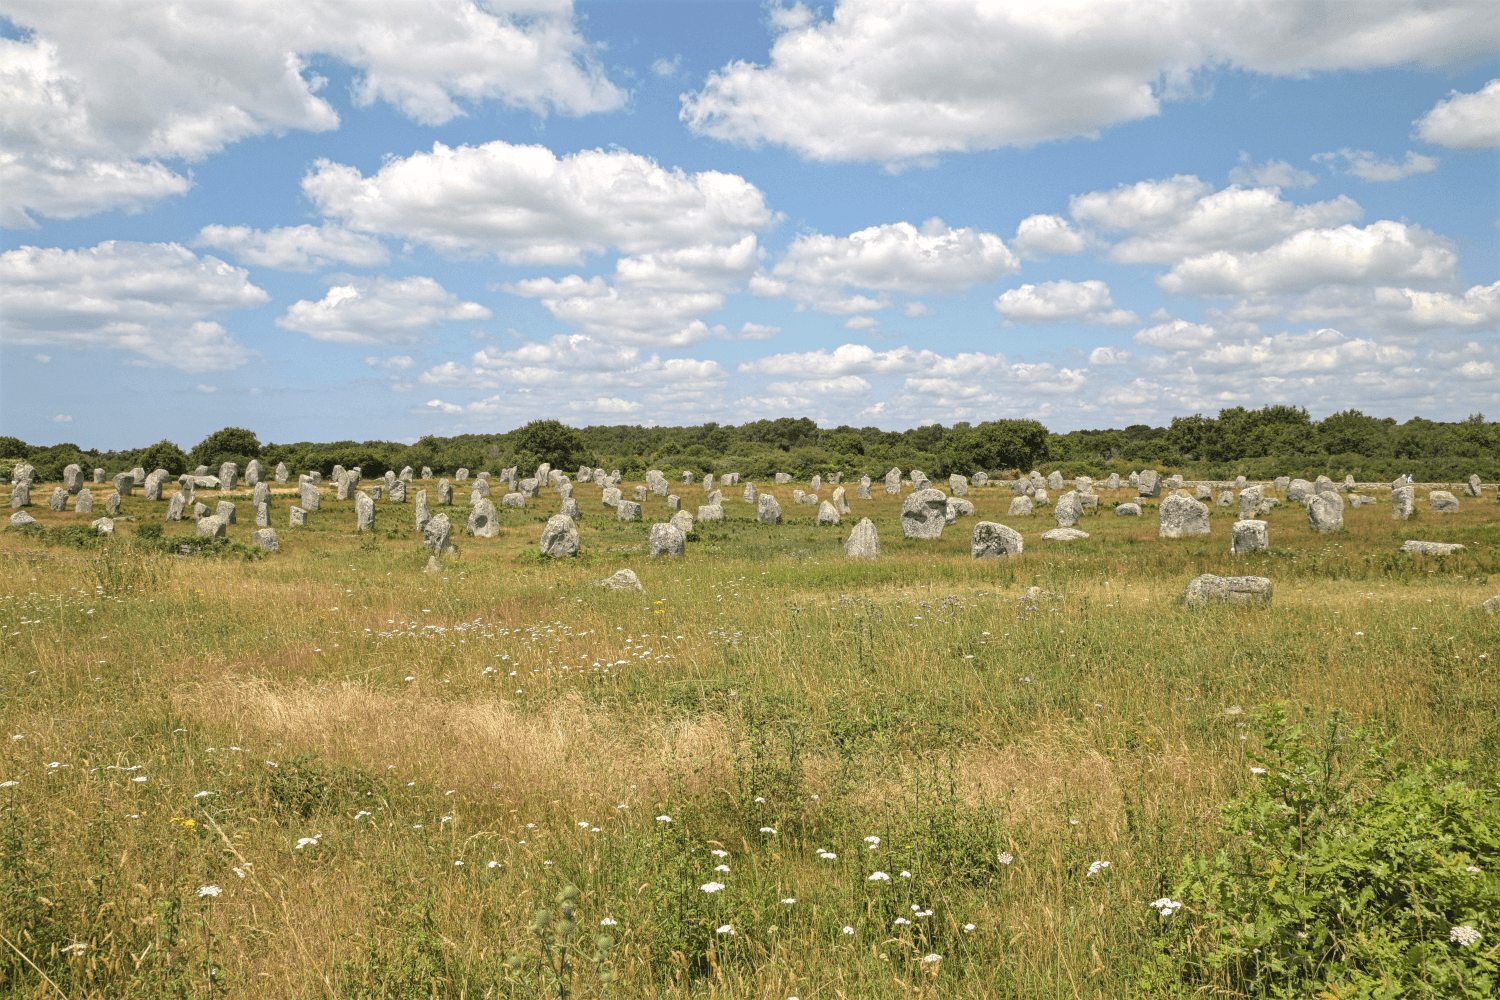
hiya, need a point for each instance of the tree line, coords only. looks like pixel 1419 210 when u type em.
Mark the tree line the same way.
pixel 1270 441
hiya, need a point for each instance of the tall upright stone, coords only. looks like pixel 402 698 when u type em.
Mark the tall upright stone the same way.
pixel 815 483
pixel 893 481
pixel 1148 484
pixel 254 473
pixel 1250 501
pixel 398 492
pixel 225 511
pixel 863 541
pixel 282 472
pixel 73 478
pixel 924 513
pixel 99 479
pixel 1055 481
pixel 462 476
pixel 1299 490
pixel 1113 482
pixel 1471 488
pixel 262 494
pixel 767 510
pixel 995 541
pixel 751 494
pixel 958 485
pixel 483 522
pixel 58 500
pixel 1069 509
pixel 559 537
pixel 610 496
pixel 426 473
pixel 1325 512
pixel 84 504
pixel 827 513
pixel 570 508
pixel 307 494
pixel 175 506
pixel 229 473
pixel 840 500
pixel 863 489
pixel 708 483
pixel 420 510
pixel 262 515
pixel 297 517
pixel 684 522
pixel 1182 517
pixel 436 535
pixel 444 493
pixel 124 483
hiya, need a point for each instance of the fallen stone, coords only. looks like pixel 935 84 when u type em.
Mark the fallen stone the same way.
pixel 1063 535
pixel 1325 512
pixel 623 579
pixel 1020 506
pixel 767 510
pixel 863 541
pixel 21 519
pixel 628 510
pixel 212 527
pixel 106 526
pixel 995 541
pixel 483 522
pixel 1128 510
pixel 1208 589
pixel 559 537
pixel 513 500
pixel 1442 502
pixel 1431 548
pixel 1182 517
pixel 924 514
pixel 1249 536
pixel 667 540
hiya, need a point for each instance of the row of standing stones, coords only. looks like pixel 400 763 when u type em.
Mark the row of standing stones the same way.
pixel 925 512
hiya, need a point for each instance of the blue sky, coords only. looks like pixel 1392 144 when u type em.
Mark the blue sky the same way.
pixel 337 220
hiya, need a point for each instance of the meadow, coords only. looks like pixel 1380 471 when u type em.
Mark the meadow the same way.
pixel 326 772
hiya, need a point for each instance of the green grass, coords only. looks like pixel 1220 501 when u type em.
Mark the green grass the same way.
pixel 919 699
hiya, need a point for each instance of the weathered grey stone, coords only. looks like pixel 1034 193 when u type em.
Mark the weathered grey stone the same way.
pixel 1239 482
pixel 1325 512
pixel 124 483
pixel 344 485
pixel 398 492
pixel 84 503
pixel 1471 488
pixel 407 474
pixel 1249 536
pixel 623 579
pixel 1205 492
pixel 200 511
pixel 254 472
pixel 1039 497
pixel 1063 535
pixel 483 522
pixel 840 500
pixel 979 479
pixel 797 496
pixel 863 489
pixel 995 541
pixel 282 472
pixel 674 502
pixel 751 495
pixel 462 475
pixel 1128 510
pixel 863 541
pixel 1083 484
pixel 1089 499
pixel 154 483
pixel 1020 487
pixel 1210 589
pixel 1431 548
pixel 266 539
pixel 58 500
pixel 481 489
pixel 628 510
pixel 893 481
pixel 262 515
pixel 684 521
pixel 667 540
pixel 1068 510
pixel 175 506
pixel 1226 499
pixel 513 500
pixel 261 494
pixel 73 478
pixel 212 527
pixel 827 513
pixel 782 478
pixel 444 493
pixel 426 472
pixel 297 517
pixel 1281 484
pixel 376 491
pixel 716 497
pixel 815 483
pixel 23 475
pixel 610 497
pixel 585 474
pixel 570 508
pixel 711 512
pixel 1250 500
pixel 1113 482
pixel 708 483
pixel 1182 517
pixel 1299 490
pixel 767 510
pixel 112 503
pixel 919 480
pixel 564 489
pixel 1148 484
pixel 1403 502
pixel 437 535
pixel 364 511
pixel 559 537
pixel 924 514
pixel 1360 500
pixel 1442 502
pixel 99 477
pixel 1492 606
pixel 419 509
pixel 106 526
pixel 138 476
pixel 958 486
pixel 307 495
pixel 21 519
pixel 1020 506
pixel 1055 481
pixel 229 472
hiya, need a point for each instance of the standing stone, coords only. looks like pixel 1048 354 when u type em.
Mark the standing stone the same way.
pixel 398 492
pixel 84 504
pixel 627 510
pixel 483 522
pixel 863 489
pixel 1442 502
pixel 444 493
pixel 1174 481
pixel 1208 589
pixel 124 482
pixel 1055 481
pixel 1471 488
pixel 559 537
pixel 265 537
pixel 687 477
pixel 674 502
pixel 435 534
pixel 263 515
pixel 1203 492
pixel 212 527
pixel 684 522
pixel 923 514
pixel 1324 485
pixel 1299 490
pixel 390 480
pixel 570 508
pixel 1020 487
pixel 543 470
pixel 585 474
pixel 513 500
pixel 1039 497
pixel 462 475
pixel 200 511
pixel 73 478
pixel 376 492
pixel 153 483
pixel 1182 516
pixel 767 510
pixel 224 511
pixel 407 474
pixel 863 542
pixel 959 507
pixel 659 485
pixel 229 472
pixel 827 513
pixel 1249 536
pixel 138 476
pixel 708 483
pixel 782 478
pixel 958 485
pixel 1089 499
pixel 481 491
pixel 254 473
pixel 840 501
pixel 58 500
pixel 893 481
pixel 716 497
pixel 1281 484
pixel 307 495
pixel 1083 484
pixel 564 489
pixel 344 484
pixel 422 516
pixel 112 503
pixel 667 540
pixel 611 497
pixel 1149 484
pixel 262 494
pixel 98 477
pixel 1250 498
pixel 364 511
pixel 297 518
pixel 1020 507
pixel 919 480
pixel 1068 510
pixel 1226 499
pixel 815 483
pixel 282 472
pixel 797 496
pixel 995 541
pixel 751 495
pixel 1128 510
pixel 711 512
pixel 979 479
pixel 1113 482
pixel 1239 482
pixel 640 493
pixel 1325 512
pixel 426 473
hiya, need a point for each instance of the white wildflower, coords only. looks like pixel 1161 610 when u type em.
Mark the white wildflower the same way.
pixel 209 890
pixel 1097 867
pixel 880 877
pixel 711 886
pixel 1464 935
pixel 1004 858
pixel 609 922
pixel 726 929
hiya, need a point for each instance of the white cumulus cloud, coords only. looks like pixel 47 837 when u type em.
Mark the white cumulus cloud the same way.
pixel 1367 166
pixel 1177 335
pixel 1106 356
pixel 379 311
pixel 1041 236
pixel 152 299
pixel 1055 301
pixel 1272 173
pixel 1464 121
pixel 294 248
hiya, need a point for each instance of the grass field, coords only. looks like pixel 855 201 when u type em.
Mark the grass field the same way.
pixel 386 771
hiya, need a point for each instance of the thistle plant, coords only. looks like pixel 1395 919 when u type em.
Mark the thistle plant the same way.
pixel 566 952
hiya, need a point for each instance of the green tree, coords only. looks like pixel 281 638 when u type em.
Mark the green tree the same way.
pixel 995 444
pixel 549 441
pixel 13 447
pixel 232 444
pixel 163 455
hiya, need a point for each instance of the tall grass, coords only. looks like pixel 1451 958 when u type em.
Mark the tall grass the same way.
pixel 450 749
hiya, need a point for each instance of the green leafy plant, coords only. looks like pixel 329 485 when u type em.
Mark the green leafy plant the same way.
pixel 566 952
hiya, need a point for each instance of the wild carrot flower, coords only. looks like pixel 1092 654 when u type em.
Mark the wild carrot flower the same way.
pixel 929 959
pixel 1166 906
pixel 711 887
pixel 902 920
pixel 209 890
pixel 879 877
pixel 609 922
pixel 1004 858
pixel 765 829
pixel 721 868
pixel 726 929
pixel 790 900
pixel 848 930
pixel 1463 936
pixel 1097 867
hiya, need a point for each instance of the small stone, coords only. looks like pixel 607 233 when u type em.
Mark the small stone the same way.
pixel 667 540
pixel 106 526
pixel 1089 499
pixel 1039 496
pixel 767 510
pixel 1055 481
pixel 1492 606
pixel 640 493
pixel 979 479
pixel 1325 512
pixel 1206 492
pixel 1182 517
pixel 444 493
pixel 1113 482
pixel 513 500
pixel 1020 506
pixel 364 511
pixel 711 512
pixel 99 476
pixel 1442 502
pixel 828 513
pixel 684 521
pixel 797 496
pixel 376 492
pixel 1281 484
pixel 1239 482
pixel 622 579
pixel 559 537
pixel 959 507
pixel 863 541
pixel 212 527
pixel 262 515
pixel 462 475
pixel 1068 510
pixel 1208 589
pixel 482 520
pixel 84 504
pixel 1249 536
pixel 266 539
pixel 924 514
pixel 782 478
pixel 1431 548
pixel 1128 510
pixel 815 483
pixel 282 472
pixel 1063 535
pixel 1226 499
pixel 298 517
pixel 112 503
pixel 570 508
pixel 863 489
pixel 437 535
pixel 200 511
pixel 398 492
pixel 21 519
pixel 840 500
pixel 1471 488
pixel 674 502
pixel 995 541
pixel 628 510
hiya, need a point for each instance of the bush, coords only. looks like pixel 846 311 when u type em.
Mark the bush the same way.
pixel 1345 872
